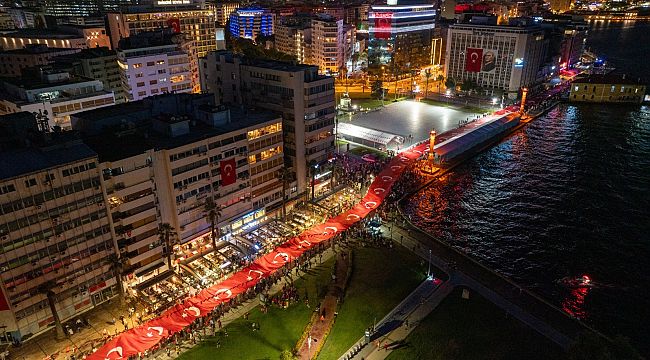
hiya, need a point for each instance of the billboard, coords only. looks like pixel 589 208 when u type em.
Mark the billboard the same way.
pixel 383 24
pixel 174 23
pixel 480 60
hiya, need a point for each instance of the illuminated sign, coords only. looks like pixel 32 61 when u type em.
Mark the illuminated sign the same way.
pixel 173 2
pixel 519 62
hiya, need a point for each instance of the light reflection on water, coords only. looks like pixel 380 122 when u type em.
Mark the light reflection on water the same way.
pixel 568 195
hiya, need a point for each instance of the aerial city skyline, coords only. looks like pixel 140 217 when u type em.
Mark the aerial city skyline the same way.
pixel 402 179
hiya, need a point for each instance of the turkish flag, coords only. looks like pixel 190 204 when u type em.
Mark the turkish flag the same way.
pixel 228 172
pixel 174 23
pixel 473 59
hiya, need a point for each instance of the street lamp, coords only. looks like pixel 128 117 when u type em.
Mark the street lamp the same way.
pixel 313 180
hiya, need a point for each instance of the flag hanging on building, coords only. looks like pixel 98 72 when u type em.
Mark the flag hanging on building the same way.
pixel 473 59
pixel 228 172
pixel 174 23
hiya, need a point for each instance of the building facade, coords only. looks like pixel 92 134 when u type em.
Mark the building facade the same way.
pixel 400 36
pixel 328 44
pixel 608 88
pixel 54 228
pixel 78 37
pixel 223 10
pixel 99 64
pixel 305 99
pixel 154 63
pixel 249 22
pixel 198 25
pixel 504 58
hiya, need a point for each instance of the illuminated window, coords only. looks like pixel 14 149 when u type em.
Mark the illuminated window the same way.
pixel 251 159
pixel 137 66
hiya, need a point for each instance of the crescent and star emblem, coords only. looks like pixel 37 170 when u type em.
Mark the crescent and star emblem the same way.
pixel 192 310
pixel 370 204
pixel 117 350
pixel 249 278
pixel 159 329
pixel 474 57
pixel 353 217
pixel 285 256
pixel 228 293
pixel 227 169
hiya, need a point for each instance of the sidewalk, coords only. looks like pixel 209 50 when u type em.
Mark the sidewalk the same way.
pixel 324 319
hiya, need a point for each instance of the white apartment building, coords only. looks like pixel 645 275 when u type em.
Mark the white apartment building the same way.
pixel 53 92
pixel 305 99
pixel 155 63
pixel 294 38
pixel 54 228
pixel 320 40
pixel 514 54
pixel 327 44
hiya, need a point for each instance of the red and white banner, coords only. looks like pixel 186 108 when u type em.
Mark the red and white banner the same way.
pixel 383 24
pixel 173 320
pixel 228 171
pixel 473 59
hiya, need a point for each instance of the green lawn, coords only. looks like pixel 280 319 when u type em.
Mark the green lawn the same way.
pixel 280 329
pixel 474 329
pixel 381 279
pixel 363 150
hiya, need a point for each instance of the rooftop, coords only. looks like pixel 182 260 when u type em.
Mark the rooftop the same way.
pixel 35 49
pixel 40 33
pixel 131 132
pixel 608 79
pixel 25 150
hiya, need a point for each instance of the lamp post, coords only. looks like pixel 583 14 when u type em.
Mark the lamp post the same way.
pixel 313 180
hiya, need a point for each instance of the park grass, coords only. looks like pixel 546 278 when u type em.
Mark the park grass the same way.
pixel 380 280
pixel 280 329
pixel 474 329
pixel 361 150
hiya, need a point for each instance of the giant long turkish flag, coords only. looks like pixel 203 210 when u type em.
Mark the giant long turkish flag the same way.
pixel 148 334
pixel 473 59
pixel 228 171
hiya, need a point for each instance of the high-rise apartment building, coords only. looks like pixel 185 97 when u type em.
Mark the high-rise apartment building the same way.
pixel 155 63
pixel 223 10
pixel 55 234
pixel 305 99
pixel 249 22
pixel 197 25
pixel 496 56
pixel 83 7
pixel 327 44
pixel 191 149
pixel 319 40
pixel 400 36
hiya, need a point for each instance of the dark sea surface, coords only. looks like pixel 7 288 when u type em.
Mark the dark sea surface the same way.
pixel 566 196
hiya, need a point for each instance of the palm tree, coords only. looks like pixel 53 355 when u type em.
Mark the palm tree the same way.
pixel 212 214
pixel 47 288
pixel 355 59
pixel 427 75
pixel 167 236
pixel 118 263
pixel 285 176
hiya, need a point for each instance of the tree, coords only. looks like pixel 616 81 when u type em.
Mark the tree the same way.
pixel 286 354
pixel 450 83
pixel 167 236
pixel 467 85
pixel 118 263
pixel 376 90
pixel 440 78
pixel 47 288
pixel 212 214
pixel 355 59
pixel 427 75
